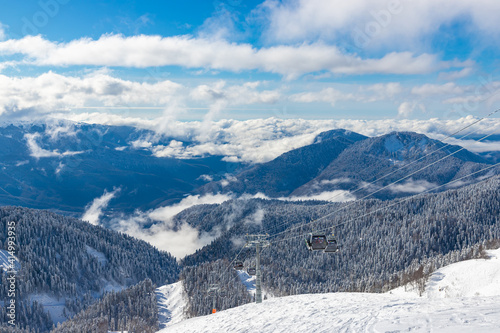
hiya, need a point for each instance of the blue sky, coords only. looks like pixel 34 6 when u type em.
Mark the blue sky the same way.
pixel 235 59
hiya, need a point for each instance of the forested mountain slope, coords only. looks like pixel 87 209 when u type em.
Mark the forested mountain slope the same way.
pixel 374 158
pixel 64 167
pixel 383 243
pixel 343 160
pixel 131 310
pixel 70 263
pixel 284 174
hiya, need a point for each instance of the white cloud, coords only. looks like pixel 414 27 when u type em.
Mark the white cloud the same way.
pixel 180 240
pixel 38 152
pixel 261 140
pixel 165 214
pixel 411 186
pixel 455 75
pixel 406 109
pixel 436 89
pixel 35 150
pixel 59 168
pixel 328 95
pixel 398 24
pixel 186 51
pixel 363 93
pixel 50 92
pixel 94 210
pixel 3 35
pixel 383 91
pixel 332 196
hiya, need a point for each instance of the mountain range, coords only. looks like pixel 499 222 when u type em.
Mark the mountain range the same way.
pixel 346 161
pixel 63 168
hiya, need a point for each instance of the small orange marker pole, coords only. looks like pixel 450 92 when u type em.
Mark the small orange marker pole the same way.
pixel 214 311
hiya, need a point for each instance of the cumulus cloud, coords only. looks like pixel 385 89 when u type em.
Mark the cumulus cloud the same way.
pixel 196 52
pixel 50 91
pixel 397 24
pixel 94 210
pixel 52 94
pixel 406 109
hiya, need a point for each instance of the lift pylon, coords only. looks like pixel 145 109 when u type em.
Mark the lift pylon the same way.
pixel 259 242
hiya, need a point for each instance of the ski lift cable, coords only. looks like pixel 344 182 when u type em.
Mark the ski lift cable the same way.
pixel 234 259
pixel 421 158
pixel 391 205
pixel 409 164
pixel 378 190
pixel 435 151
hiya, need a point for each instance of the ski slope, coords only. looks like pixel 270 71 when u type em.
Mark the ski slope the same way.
pixel 171 304
pixel 463 297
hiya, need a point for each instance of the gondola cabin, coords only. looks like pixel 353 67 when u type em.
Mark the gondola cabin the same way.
pixel 238 265
pixel 251 271
pixel 316 242
pixel 332 245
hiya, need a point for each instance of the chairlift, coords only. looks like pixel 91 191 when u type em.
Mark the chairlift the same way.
pixel 332 245
pixel 316 242
pixel 251 271
pixel 238 265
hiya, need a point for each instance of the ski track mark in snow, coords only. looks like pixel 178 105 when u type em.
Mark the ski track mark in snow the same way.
pixel 171 304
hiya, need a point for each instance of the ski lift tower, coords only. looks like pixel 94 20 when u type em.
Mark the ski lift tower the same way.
pixel 212 291
pixel 259 241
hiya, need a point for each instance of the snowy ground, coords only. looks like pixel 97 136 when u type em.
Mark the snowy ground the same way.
pixel 462 297
pixel 52 305
pixel 4 261
pixel 171 303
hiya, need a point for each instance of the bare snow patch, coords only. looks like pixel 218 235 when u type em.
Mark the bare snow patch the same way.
pixel 101 258
pixel 53 305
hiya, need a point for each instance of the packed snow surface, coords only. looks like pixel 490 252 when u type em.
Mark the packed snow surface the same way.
pixel 171 304
pixel 463 297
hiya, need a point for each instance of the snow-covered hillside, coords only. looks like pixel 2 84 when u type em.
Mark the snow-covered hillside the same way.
pixel 462 297
pixel 171 304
